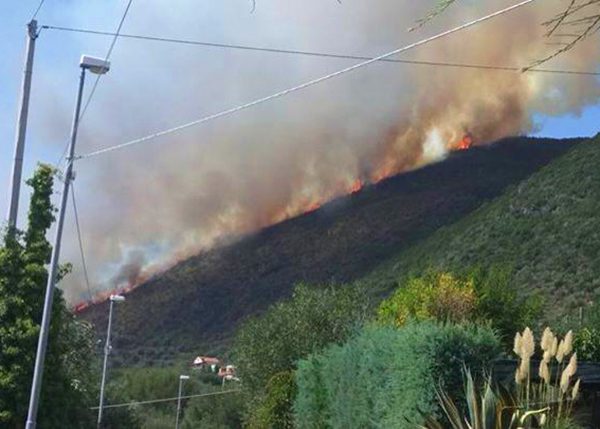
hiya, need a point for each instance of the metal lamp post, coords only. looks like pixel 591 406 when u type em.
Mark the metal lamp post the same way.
pixel 97 66
pixel 182 378
pixel 107 349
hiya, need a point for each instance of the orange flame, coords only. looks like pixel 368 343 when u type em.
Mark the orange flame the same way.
pixel 387 168
pixel 465 143
pixel 355 187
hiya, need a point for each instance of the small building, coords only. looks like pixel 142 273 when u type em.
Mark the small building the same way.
pixel 228 373
pixel 206 362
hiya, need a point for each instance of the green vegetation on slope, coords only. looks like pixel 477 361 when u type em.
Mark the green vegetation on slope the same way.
pixel 547 229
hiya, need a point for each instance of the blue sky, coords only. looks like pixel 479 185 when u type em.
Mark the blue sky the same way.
pixel 132 90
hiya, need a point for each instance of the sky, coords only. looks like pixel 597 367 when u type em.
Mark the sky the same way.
pixel 133 89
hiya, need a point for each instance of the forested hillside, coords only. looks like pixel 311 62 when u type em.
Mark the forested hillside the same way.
pixel 546 229
pixel 202 300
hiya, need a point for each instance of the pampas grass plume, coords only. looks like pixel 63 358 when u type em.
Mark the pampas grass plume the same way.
pixel 568 347
pixel 572 366
pixel 547 338
pixel 575 392
pixel 527 344
pixel 518 343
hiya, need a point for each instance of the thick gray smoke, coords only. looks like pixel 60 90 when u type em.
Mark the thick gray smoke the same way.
pixel 147 206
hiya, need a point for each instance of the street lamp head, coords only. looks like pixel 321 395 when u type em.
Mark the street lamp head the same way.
pixel 117 298
pixel 184 377
pixel 94 65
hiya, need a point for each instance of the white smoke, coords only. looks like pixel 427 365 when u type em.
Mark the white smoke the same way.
pixel 169 198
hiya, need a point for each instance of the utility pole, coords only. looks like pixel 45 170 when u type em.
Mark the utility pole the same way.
pixel 97 66
pixel 17 169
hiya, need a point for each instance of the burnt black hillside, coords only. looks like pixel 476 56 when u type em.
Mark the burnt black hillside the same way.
pixel 201 301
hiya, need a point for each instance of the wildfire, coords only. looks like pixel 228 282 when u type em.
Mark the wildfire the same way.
pixel 355 187
pixel 313 206
pixel 308 205
pixel 465 143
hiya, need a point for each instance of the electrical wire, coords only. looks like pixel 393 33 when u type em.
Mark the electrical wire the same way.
pixel 315 54
pixel 106 58
pixel 78 228
pixel 37 10
pixel 306 84
pixel 157 401
pixel 95 86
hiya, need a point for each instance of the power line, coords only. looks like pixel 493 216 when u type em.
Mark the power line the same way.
pixel 37 10
pixel 314 54
pixel 157 401
pixel 106 58
pixel 306 84
pixel 83 263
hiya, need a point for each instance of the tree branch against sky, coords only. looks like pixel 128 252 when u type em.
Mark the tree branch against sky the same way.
pixel 579 20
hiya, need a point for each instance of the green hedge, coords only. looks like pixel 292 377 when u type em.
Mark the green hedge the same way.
pixel 386 377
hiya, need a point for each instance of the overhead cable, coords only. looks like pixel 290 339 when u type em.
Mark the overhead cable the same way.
pixel 81 252
pixel 106 58
pixel 37 10
pixel 316 54
pixel 158 401
pixel 306 84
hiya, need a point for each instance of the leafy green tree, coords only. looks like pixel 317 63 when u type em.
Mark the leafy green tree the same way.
pixel 439 296
pixel 477 296
pixel 273 343
pixel 68 383
pixel 275 409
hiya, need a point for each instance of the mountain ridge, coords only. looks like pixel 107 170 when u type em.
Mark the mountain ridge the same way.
pixel 200 301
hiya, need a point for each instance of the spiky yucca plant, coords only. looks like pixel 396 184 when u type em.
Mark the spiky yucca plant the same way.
pixel 545 403
pixel 487 408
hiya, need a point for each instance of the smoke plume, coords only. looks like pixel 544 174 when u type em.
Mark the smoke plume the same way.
pixel 145 207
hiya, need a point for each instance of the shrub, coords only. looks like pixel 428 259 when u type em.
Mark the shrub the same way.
pixel 386 377
pixel 539 401
pixel 476 296
pixel 438 296
pixel 290 330
pixel 271 344
pixel 274 411
pixel 214 412
pixel 587 339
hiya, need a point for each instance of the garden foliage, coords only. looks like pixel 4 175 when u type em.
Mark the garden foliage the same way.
pixel 387 377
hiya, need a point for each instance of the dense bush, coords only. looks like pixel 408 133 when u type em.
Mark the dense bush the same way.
pixel 274 410
pixel 587 338
pixel 271 344
pixel 478 296
pixel 290 330
pixel 387 377
pixel 438 296
pixel 214 412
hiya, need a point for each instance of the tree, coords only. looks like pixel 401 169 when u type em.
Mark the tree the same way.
pixel 68 384
pixel 486 296
pixel 267 347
